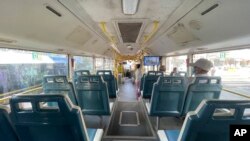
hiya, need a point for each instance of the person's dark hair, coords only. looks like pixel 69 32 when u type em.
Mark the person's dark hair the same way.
pixel 138 66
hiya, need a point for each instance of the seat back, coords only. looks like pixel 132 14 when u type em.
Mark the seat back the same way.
pixel 110 79
pixel 80 73
pixel 202 88
pixel 168 96
pixel 142 82
pixel 92 95
pixel 149 80
pixel 206 124
pixel 58 84
pixel 40 122
pixel 182 73
pixel 7 132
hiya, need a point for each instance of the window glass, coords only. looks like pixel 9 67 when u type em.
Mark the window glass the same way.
pixel 232 66
pixel 107 64
pixel 99 63
pixel 84 63
pixel 21 69
pixel 177 61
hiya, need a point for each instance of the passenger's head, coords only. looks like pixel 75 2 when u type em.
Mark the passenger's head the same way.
pixel 202 66
pixel 162 68
pixel 174 69
pixel 138 66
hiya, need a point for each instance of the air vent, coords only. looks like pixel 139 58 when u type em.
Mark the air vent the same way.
pixel 79 36
pixel 53 11
pixel 129 31
pixel 179 34
pixel 209 9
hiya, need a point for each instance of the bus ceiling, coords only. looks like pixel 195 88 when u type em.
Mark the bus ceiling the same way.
pixel 103 27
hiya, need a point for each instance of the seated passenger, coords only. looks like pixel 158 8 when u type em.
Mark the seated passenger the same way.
pixel 174 72
pixel 200 68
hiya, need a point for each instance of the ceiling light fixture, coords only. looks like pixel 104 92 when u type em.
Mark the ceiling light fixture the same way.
pixel 130 6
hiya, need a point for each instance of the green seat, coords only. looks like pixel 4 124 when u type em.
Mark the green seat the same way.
pixel 92 95
pixel 202 88
pixel 80 73
pixel 59 84
pixel 149 80
pixel 7 132
pixel 40 122
pixel 142 82
pixel 110 79
pixel 207 124
pixel 168 97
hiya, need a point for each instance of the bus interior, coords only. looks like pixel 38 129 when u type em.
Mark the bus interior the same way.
pixel 120 70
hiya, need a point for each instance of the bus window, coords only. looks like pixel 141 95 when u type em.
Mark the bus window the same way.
pixel 21 69
pixel 108 64
pixel 233 67
pixel 99 63
pixel 84 63
pixel 176 61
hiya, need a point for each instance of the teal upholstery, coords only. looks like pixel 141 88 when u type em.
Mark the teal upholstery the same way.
pixel 116 84
pixel 43 123
pixel 142 82
pixel 7 132
pixel 91 133
pixel 110 79
pixel 172 135
pixel 58 84
pixel 202 88
pixel 207 124
pixel 149 80
pixel 80 73
pixel 92 95
pixel 204 125
pixel 168 96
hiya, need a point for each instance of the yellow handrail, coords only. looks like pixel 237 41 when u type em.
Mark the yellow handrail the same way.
pixel 236 93
pixel 152 33
pixel 17 91
pixel 2 100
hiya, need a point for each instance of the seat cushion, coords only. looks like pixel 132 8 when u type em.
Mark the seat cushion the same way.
pixel 172 135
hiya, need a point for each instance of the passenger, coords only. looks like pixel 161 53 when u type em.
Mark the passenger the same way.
pixel 162 68
pixel 200 68
pixel 120 69
pixel 138 76
pixel 174 72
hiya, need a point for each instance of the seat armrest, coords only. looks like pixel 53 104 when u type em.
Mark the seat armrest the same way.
pixel 111 105
pixel 98 135
pixel 162 135
pixel 147 107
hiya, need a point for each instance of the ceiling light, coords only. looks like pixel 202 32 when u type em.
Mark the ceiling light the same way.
pixel 129 6
pixel 129 46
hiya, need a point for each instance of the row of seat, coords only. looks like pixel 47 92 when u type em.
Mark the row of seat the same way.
pixel 41 122
pixel 107 76
pixel 206 124
pixel 91 92
pixel 150 78
pixel 171 96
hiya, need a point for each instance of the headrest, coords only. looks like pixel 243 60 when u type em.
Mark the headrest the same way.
pixel 104 72
pixel 55 79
